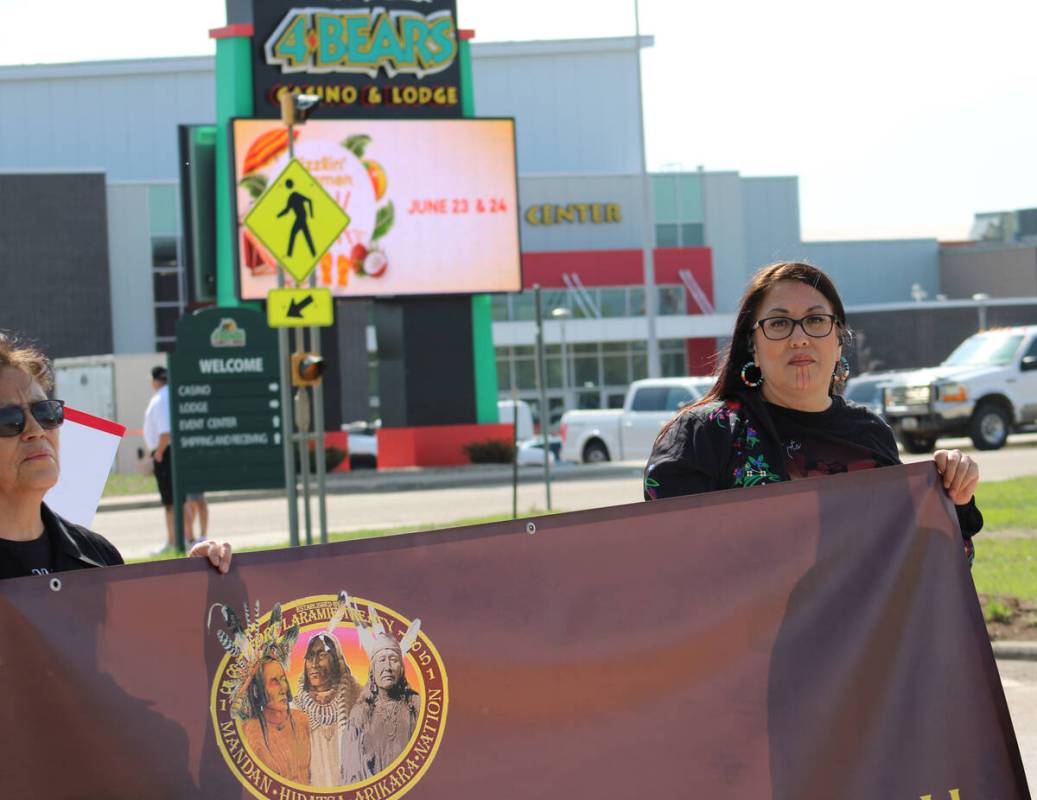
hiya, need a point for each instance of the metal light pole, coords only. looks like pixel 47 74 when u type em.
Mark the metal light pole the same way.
pixel 981 308
pixel 514 454
pixel 541 375
pixel 287 415
pixel 562 314
pixel 648 219
pixel 293 111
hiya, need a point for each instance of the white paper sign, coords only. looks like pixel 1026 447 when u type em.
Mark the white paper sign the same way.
pixel 88 446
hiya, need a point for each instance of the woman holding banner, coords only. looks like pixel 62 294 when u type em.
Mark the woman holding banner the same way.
pixel 33 539
pixel 775 414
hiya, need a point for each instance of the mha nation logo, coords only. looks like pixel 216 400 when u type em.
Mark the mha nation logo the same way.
pixel 327 698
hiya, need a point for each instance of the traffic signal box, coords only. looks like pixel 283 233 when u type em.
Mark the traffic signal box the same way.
pixel 307 369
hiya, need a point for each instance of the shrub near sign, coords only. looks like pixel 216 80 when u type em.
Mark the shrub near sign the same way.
pixel 366 61
pixel 225 402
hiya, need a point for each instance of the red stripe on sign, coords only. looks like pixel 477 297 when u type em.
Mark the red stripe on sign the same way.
pixel 231 31
pixel 98 423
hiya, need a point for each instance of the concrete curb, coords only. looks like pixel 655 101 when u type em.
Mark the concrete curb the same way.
pixel 406 480
pixel 1015 651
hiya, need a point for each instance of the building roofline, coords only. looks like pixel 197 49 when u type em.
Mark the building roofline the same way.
pixel 917 239
pixel 907 305
pixel 557 46
pixel 104 69
pixel 987 246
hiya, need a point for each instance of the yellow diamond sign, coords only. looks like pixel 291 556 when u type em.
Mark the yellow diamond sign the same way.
pixel 296 220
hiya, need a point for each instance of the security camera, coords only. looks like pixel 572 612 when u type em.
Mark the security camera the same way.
pixel 296 107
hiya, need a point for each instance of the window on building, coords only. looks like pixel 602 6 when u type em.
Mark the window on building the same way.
pixel 525 373
pixel 673 359
pixel 167 286
pixel 637 301
pixel 672 300
pixel 499 308
pixel 522 306
pixel 617 369
pixel 666 235
pixel 613 302
pixel 588 400
pixel 166 316
pixel 554 372
pixel 693 234
pixel 585 371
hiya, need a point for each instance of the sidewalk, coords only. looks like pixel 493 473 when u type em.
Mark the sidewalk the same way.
pixel 371 481
pixel 1015 651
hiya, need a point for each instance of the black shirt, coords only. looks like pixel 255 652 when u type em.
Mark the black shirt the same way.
pixel 822 442
pixel 35 557
pixel 744 442
pixel 63 546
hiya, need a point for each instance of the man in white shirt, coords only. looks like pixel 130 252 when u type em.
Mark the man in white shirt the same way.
pixel 156 439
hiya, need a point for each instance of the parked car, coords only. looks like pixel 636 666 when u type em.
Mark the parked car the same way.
pixel 506 414
pixel 866 389
pixel 628 433
pixel 531 451
pixel 985 389
pixel 363 443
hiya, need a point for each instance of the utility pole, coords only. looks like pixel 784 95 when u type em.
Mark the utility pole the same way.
pixel 648 219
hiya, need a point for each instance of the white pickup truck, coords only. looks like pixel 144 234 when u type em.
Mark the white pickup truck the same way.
pixel 986 389
pixel 628 433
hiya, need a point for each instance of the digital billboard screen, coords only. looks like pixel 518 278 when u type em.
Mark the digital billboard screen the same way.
pixel 432 204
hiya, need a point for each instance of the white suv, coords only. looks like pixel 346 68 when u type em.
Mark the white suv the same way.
pixel 986 389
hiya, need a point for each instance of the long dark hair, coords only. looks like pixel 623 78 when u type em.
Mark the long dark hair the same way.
pixel 737 353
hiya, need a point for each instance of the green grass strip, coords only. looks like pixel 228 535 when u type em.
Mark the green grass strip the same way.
pixel 1009 504
pixel 1006 567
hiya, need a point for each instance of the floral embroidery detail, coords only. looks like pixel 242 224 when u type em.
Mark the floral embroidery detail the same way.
pixel 726 416
pixel 754 471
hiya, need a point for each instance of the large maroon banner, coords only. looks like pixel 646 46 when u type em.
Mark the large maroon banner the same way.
pixel 808 640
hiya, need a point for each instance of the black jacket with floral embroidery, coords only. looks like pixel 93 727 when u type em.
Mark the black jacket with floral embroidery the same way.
pixel 735 443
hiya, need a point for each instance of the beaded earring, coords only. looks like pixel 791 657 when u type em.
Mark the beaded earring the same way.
pixel 842 370
pixel 752 375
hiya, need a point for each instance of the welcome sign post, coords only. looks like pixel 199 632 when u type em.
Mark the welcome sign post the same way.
pixel 225 405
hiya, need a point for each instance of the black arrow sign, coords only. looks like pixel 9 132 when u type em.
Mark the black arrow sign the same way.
pixel 295 308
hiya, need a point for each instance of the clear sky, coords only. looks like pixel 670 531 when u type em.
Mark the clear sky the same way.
pixel 900 118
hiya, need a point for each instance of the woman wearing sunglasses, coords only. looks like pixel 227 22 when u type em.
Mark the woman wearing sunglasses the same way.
pixel 33 539
pixel 774 413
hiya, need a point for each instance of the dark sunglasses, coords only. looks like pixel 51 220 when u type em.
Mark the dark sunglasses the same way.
pixel 48 413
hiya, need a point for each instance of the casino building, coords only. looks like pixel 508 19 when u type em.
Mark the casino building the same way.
pixel 91 159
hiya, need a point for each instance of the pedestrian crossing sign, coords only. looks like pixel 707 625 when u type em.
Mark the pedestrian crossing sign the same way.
pixel 296 220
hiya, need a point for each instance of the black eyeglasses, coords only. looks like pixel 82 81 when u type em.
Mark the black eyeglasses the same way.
pixel 817 326
pixel 48 413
